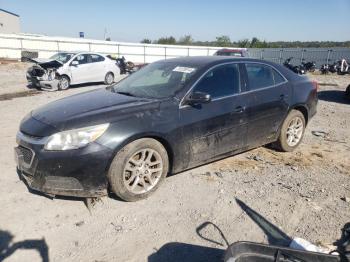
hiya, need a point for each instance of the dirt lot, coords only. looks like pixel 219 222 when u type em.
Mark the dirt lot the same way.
pixel 305 194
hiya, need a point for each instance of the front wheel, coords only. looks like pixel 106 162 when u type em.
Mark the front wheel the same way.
pixel 63 83
pixel 292 131
pixel 138 169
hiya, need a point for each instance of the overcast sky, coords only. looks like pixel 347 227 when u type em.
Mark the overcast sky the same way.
pixel 272 20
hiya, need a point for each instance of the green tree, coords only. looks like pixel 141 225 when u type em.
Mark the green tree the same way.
pixel 254 43
pixel 146 41
pixel 186 40
pixel 243 43
pixel 167 40
pixel 223 41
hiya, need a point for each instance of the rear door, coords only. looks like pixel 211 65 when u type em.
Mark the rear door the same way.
pixel 217 127
pixel 269 96
pixel 98 68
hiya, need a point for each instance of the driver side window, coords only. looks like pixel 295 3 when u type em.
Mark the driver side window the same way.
pixel 221 81
pixel 82 59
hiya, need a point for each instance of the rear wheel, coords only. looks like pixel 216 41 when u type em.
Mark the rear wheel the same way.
pixel 109 78
pixel 138 169
pixel 292 131
pixel 63 83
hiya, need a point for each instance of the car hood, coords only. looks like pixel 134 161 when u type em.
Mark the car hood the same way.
pixel 91 108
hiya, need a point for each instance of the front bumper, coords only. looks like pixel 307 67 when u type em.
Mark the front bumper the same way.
pixel 41 83
pixel 80 172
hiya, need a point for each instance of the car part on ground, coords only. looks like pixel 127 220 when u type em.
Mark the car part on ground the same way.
pixel 296 69
pixel 308 66
pixel 341 67
pixel 175 102
pixel 64 69
pixel 126 67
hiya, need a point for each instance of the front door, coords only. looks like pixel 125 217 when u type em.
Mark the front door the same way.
pixel 81 72
pixel 218 127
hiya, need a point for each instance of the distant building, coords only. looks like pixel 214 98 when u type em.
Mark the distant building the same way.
pixel 9 22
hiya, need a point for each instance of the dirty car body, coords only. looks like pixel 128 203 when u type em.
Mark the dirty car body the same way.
pixel 77 67
pixel 193 134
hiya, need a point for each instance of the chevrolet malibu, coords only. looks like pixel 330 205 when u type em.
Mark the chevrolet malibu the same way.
pixel 168 117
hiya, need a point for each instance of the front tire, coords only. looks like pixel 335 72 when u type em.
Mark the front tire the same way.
pixel 109 78
pixel 138 169
pixel 292 131
pixel 63 82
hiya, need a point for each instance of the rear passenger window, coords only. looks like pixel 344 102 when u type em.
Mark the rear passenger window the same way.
pixel 259 76
pixel 278 79
pixel 221 81
pixel 96 58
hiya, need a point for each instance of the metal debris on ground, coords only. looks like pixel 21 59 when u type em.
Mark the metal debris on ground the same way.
pixel 346 199
pixel 319 133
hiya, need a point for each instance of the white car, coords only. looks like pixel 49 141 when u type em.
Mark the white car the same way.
pixel 65 69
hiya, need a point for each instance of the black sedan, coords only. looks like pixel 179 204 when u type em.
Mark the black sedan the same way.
pixel 170 116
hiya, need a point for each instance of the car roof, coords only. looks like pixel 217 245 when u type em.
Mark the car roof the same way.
pixel 200 61
pixel 203 63
pixel 89 53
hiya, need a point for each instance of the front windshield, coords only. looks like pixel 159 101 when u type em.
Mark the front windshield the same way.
pixel 157 80
pixel 62 57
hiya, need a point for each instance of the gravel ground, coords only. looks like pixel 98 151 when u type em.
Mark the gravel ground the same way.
pixel 303 194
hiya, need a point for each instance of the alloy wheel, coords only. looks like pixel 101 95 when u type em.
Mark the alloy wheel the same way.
pixel 294 131
pixel 143 171
pixel 64 83
pixel 109 79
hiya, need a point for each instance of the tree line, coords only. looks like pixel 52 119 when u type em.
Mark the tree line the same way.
pixel 225 41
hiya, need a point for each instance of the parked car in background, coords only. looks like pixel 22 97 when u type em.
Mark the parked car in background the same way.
pixel 167 117
pixel 232 52
pixel 65 69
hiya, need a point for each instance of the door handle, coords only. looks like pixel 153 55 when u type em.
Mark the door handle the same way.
pixel 239 109
pixel 283 96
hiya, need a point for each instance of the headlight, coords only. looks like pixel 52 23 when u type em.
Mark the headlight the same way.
pixel 76 138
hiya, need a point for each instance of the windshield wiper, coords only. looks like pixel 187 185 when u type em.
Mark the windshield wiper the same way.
pixel 125 93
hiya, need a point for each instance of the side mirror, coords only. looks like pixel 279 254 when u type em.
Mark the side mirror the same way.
pixel 75 63
pixel 198 98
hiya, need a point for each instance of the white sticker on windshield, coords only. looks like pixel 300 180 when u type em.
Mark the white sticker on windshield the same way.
pixel 182 69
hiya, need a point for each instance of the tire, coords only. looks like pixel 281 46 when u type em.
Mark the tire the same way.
pixel 288 142
pixel 130 167
pixel 109 78
pixel 64 82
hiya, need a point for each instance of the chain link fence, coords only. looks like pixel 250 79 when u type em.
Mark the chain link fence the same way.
pixel 318 55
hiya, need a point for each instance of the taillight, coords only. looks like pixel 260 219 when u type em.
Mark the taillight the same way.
pixel 315 85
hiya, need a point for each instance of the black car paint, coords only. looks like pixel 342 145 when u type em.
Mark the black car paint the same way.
pixel 192 135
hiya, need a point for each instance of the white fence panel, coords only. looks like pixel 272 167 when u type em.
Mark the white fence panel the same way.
pixel 107 49
pixel 38 45
pixel 11 46
pixel 69 46
pixel 176 51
